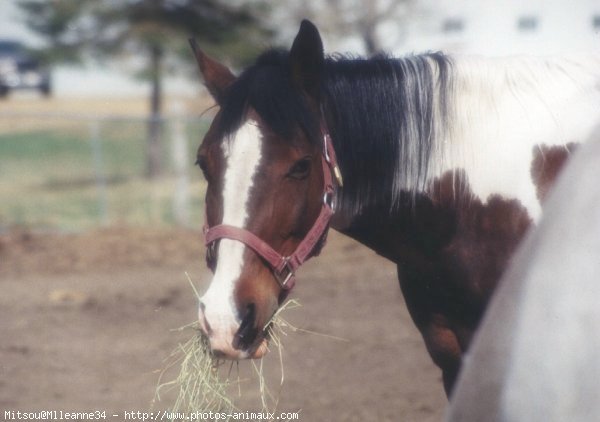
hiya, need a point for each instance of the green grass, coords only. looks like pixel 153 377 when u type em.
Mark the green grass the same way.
pixel 48 177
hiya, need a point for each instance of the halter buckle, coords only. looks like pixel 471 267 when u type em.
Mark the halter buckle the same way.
pixel 286 273
pixel 338 175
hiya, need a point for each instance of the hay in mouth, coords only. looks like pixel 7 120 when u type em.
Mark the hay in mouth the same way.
pixel 204 384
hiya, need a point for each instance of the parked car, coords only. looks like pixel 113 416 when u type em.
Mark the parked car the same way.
pixel 20 70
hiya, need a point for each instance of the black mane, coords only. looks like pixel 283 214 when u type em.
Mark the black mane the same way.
pixel 383 115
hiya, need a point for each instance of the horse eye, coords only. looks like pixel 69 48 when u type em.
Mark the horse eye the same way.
pixel 300 169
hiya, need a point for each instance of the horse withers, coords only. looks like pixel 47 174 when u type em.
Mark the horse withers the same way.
pixel 438 163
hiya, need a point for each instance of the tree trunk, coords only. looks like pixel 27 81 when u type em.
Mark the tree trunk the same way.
pixel 368 28
pixel 370 41
pixel 155 148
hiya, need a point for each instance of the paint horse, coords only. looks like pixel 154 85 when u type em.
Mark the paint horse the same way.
pixel 535 354
pixel 438 163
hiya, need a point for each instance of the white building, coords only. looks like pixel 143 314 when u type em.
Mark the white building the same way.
pixel 504 27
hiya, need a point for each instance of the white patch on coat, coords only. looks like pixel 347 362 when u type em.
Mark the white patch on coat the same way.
pixel 503 108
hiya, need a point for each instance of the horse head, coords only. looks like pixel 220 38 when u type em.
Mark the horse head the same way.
pixel 269 193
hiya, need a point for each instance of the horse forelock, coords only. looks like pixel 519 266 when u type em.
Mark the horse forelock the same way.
pixel 267 89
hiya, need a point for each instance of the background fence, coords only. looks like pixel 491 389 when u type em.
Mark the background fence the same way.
pixel 72 172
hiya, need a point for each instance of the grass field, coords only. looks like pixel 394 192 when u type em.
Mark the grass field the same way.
pixel 49 175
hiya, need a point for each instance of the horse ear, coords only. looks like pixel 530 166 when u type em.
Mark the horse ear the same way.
pixel 307 59
pixel 217 77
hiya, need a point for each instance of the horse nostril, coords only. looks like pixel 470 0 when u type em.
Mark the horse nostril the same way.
pixel 204 325
pixel 246 334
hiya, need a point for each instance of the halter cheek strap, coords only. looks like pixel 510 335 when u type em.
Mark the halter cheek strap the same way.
pixel 284 267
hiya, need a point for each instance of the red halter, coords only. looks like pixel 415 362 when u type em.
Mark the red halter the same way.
pixel 284 267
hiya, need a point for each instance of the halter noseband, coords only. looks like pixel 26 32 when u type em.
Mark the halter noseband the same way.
pixel 284 267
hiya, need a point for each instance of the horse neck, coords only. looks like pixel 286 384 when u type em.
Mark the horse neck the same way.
pixel 425 116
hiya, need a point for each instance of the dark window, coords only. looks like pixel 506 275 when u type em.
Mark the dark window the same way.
pixel 527 23
pixel 10 48
pixel 453 25
pixel 596 22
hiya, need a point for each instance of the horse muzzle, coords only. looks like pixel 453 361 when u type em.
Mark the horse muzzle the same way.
pixel 230 339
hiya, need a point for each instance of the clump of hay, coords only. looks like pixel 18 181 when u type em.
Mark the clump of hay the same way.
pixel 275 330
pixel 201 384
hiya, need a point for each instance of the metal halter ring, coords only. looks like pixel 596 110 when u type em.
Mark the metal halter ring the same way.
pixel 329 199
pixel 279 275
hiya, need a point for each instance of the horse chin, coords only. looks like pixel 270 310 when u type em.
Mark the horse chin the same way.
pixel 261 350
pixel 256 351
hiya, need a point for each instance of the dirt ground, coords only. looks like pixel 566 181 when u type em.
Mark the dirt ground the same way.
pixel 86 324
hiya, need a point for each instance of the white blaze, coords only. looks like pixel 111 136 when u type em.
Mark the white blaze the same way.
pixel 242 154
